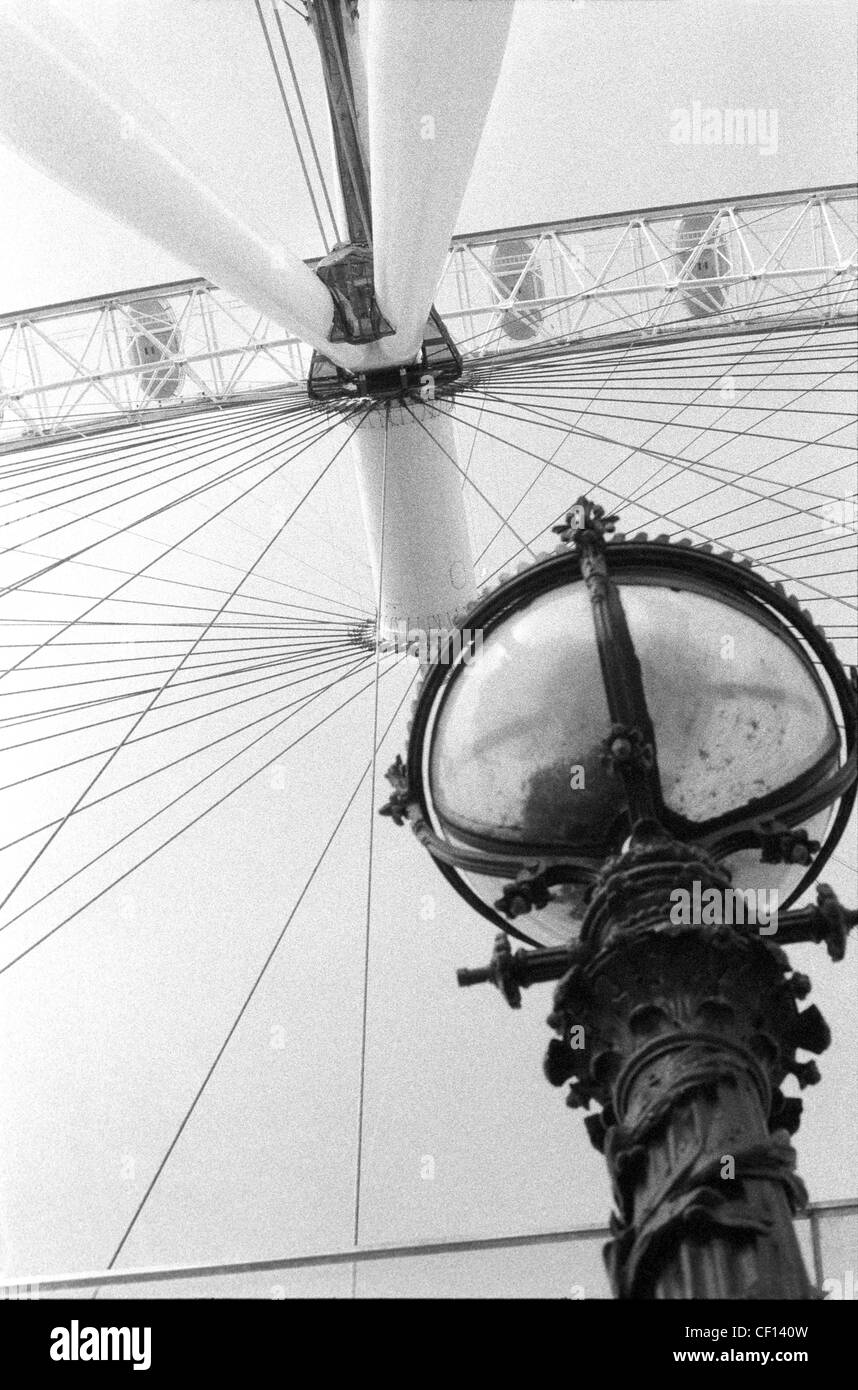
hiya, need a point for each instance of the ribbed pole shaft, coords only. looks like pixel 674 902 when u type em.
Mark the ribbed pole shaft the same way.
pixel 683 1034
pixel 734 1236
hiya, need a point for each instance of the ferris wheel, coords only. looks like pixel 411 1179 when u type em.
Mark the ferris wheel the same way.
pixel 239 509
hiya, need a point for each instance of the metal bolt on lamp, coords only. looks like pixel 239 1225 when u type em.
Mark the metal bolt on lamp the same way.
pixel 642 717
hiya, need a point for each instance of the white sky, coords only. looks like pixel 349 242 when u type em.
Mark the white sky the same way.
pixel 108 1029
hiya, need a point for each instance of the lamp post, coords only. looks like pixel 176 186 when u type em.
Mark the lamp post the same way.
pixel 648 758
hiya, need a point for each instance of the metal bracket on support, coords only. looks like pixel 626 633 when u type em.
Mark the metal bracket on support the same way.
pixel 511 973
pixel 825 921
pixel 397 806
pixel 586 522
pixel 626 747
pixel 438 365
pixel 529 890
pixel 347 273
pixel 779 844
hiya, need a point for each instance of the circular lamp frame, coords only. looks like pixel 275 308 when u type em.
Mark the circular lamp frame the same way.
pixel 638 560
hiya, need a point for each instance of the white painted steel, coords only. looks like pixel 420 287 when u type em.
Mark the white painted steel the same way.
pixel 65 109
pixel 432 67
pixel 428 571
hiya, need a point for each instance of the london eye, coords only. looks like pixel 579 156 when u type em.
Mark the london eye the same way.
pixel 237 506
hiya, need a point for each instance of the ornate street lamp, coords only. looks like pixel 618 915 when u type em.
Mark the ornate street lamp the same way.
pixel 648 741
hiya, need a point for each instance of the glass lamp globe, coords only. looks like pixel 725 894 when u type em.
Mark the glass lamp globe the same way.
pixel 510 744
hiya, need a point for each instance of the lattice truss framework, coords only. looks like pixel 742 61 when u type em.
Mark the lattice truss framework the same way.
pixel 702 270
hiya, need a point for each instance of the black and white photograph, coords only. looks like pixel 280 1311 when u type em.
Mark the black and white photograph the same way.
pixel 428 672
